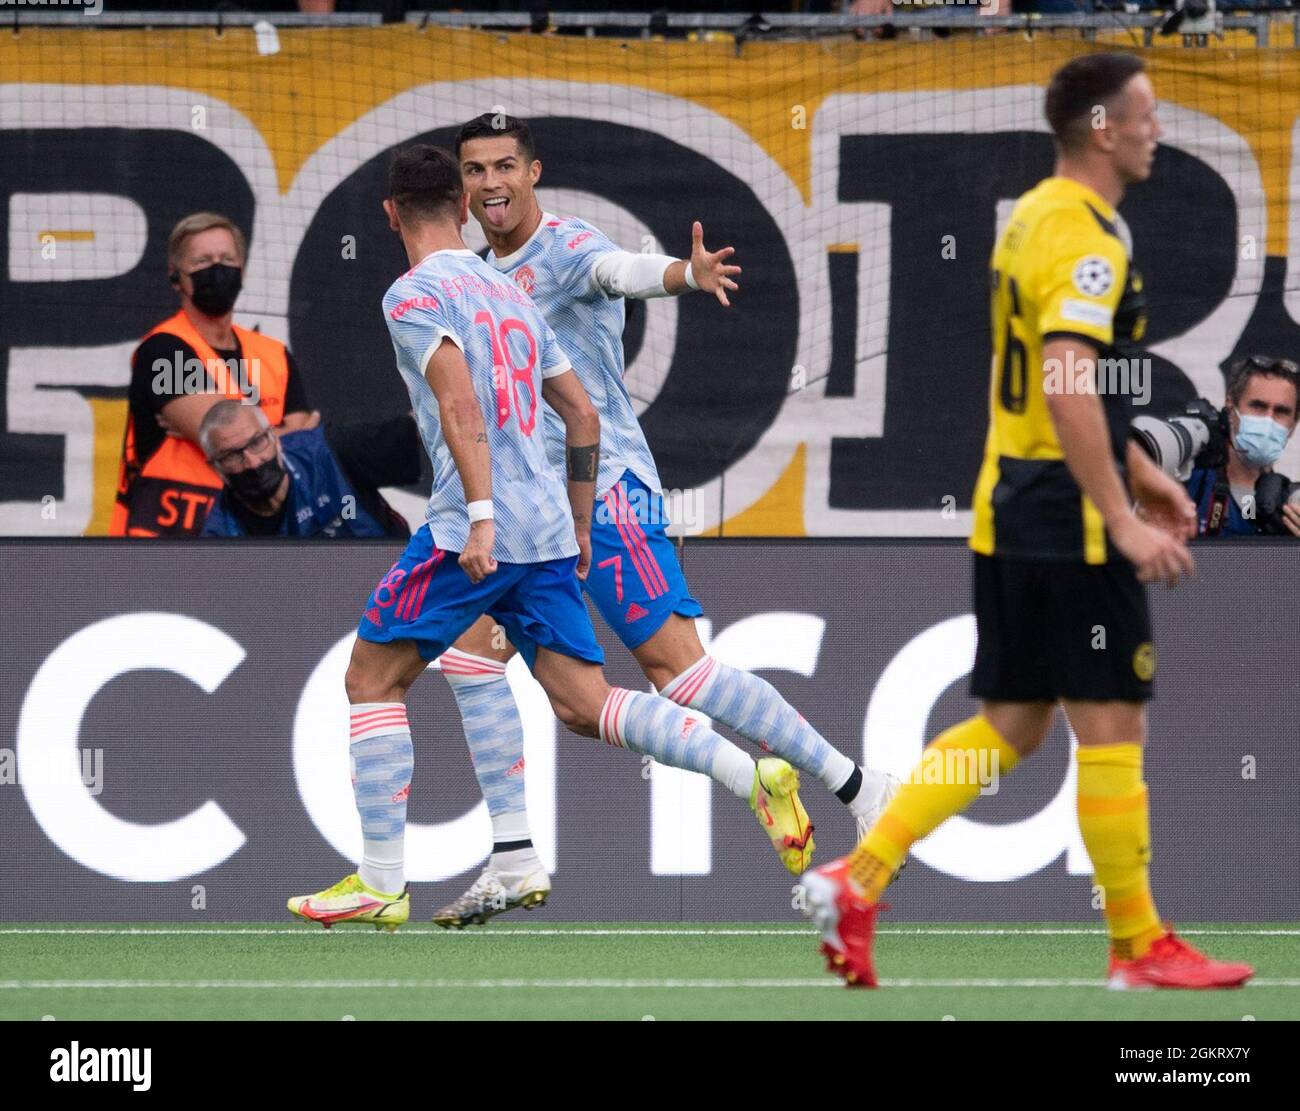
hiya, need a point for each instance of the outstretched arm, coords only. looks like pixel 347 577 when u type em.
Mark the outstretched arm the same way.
pixel 642 276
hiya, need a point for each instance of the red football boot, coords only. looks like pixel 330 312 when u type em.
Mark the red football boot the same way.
pixel 847 922
pixel 1172 963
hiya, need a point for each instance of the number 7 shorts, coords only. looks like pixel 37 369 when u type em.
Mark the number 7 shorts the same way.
pixel 635 579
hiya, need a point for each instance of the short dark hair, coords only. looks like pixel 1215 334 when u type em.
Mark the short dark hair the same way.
pixel 1243 370
pixel 495 125
pixel 424 182
pixel 1079 86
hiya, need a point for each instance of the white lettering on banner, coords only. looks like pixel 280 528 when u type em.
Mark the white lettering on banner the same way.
pixel 894 735
pixel 448 104
pixel 32 406
pixel 1199 351
pixel 434 851
pixel 49 725
pixel 815 420
pixel 96 235
pixel 681 818
pixel 808 416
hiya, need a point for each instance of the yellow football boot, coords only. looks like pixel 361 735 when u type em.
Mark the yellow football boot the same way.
pixel 774 800
pixel 350 900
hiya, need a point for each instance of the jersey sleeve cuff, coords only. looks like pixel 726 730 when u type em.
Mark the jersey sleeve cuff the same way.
pixel 555 371
pixel 440 333
pixel 1091 341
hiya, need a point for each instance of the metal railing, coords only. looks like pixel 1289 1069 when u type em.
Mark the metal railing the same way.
pixel 922 21
pixel 1143 27
pixel 68 15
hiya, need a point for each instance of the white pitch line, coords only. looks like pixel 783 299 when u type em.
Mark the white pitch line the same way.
pixel 513 984
pixel 290 930
pixel 423 931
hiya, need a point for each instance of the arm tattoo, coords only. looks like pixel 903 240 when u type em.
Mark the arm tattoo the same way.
pixel 481 438
pixel 583 462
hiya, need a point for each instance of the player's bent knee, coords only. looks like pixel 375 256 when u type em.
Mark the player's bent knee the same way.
pixel 380 676
pixel 673 649
pixel 1023 725
pixel 572 717
pixel 1108 723
pixel 360 685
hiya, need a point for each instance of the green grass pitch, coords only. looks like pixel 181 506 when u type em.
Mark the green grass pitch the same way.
pixel 539 970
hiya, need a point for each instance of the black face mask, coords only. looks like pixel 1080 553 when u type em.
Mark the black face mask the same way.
pixel 257 484
pixel 216 287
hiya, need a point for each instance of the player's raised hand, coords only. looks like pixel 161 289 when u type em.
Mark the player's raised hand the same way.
pixel 710 268
pixel 477 559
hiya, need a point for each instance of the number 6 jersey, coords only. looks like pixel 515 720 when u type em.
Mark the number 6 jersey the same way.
pixel 1060 269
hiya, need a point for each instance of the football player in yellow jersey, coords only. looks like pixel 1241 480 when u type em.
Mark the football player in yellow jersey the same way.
pixel 1058 547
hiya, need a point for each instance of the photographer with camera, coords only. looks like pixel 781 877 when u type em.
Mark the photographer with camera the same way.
pixel 1225 457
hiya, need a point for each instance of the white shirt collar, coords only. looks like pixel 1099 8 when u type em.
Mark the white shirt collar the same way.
pixel 504 262
pixel 461 251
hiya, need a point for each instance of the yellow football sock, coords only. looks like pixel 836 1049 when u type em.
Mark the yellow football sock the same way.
pixel 1116 830
pixel 945 782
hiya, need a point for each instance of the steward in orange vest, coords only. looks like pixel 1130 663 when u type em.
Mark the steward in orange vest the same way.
pixel 165 484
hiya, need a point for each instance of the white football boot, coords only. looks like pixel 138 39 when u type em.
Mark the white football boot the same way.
pixel 867 818
pixel 493 893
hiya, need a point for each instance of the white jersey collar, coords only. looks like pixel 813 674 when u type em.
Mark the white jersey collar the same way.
pixel 504 262
pixel 459 251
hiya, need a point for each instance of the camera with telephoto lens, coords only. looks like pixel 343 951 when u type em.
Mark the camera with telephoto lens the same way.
pixel 1196 437
pixel 1272 492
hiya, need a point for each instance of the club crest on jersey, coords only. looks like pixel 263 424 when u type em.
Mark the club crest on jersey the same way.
pixel 525 279
pixel 1093 276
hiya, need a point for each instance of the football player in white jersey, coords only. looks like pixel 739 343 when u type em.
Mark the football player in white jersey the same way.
pixel 503 536
pixel 580 280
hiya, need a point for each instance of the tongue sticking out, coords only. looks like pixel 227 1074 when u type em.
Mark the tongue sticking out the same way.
pixel 496 212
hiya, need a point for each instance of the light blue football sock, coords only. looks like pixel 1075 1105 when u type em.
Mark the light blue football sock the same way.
pixel 382 760
pixel 661 729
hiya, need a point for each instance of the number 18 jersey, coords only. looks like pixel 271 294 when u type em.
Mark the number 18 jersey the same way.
pixel 509 347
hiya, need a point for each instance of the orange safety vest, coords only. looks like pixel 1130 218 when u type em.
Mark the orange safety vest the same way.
pixel 170 493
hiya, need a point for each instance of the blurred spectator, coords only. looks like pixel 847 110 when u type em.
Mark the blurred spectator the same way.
pixel 181 369
pixel 318 482
pixel 872 7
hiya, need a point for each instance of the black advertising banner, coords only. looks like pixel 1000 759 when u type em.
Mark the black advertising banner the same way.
pixel 173 740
